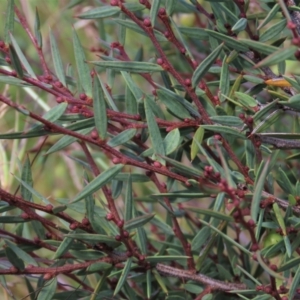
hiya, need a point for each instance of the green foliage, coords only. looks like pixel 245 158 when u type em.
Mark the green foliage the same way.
pixel 150 151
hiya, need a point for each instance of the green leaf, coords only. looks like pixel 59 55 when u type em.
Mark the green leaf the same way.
pixel 138 221
pixel 164 258
pixel 128 201
pixel 227 121
pixel 9 20
pixel 100 12
pixel 229 41
pixel 199 134
pixel 82 67
pixel 57 62
pixel 131 102
pixel 270 16
pixel 97 238
pixel 99 109
pixel 98 182
pixel 240 25
pixel 122 137
pixel 21 254
pixel 277 57
pixel 52 115
pixel 273 31
pixel 26 177
pixel 246 100
pixel 295 284
pixel 133 26
pixel 129 66
pixel 172 141
pixel 22 57
pixel 224 129
pixel 155 136
pixel 66 141
pixel 154 11
pixel 123 276
pixel 14 259
pixel 289 265
pixel 11 219
pixel 174 106
pixel 224 81
pixel 37 30
pixel 260 47
pixel 194 32
pixel 170 6
pixel 201 238
pixel 16 64
pixel 211 213
pixel 205 65
pixel 48 290
pixel 63 247
pixel 258 188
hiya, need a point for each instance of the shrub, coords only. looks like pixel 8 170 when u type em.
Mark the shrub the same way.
pixel 152 154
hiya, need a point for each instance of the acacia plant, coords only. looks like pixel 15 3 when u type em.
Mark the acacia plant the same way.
pixel 158 159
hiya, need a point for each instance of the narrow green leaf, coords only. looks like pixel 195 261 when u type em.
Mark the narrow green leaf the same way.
pixel 57 62
pixel 155 136
pixel 295 284
pixel 260 47
pixel 11 219
pixel 273 31
pixel 22 57
pixel 138 221
pixel 142 240
pixel 129 66
pixel 240 25
pixel 258 188
pixel 82 67
pixel 98 238
pixel 51 115
pixel 26 177
pixel 133 26
pixel 170 6
pixel 172 141
pixel 205 65
pixel 154 11
pixel 199 134
pixel 288 246
pixel 100 12
pixel 194 32
pixel 37 30
pixel 269 16
pixel 227 237
pixel 16 63
pixel 277 57
pixel 164 258
pixel 174 106
pixel 122 137
pixel 63 247
pixel 48 290
pixel 211 213
pixel 229 41
pixel 14 259
pixel 227 121
pixel 224 129
pixel 136 92
pixel 224 81
pixel 149 284
pixel 289 265
pixel 123 276
pixel 9 20
pixel 128 201
pixel 246 100
pixel 99 109
pixel 201 238
pixel 162 225
pixel 98 182
pixel 279 218
pixel 66 141
pixel 21 254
